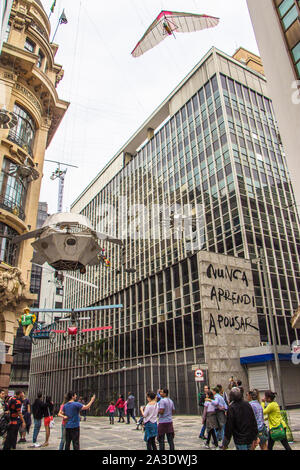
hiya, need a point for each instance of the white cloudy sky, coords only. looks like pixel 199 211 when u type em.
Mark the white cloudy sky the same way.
pixel 111 93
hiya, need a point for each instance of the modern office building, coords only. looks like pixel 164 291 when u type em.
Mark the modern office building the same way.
pixel 5 9
pixel 276 25
pixel 51 294
pixel 213 144
pixel 31 112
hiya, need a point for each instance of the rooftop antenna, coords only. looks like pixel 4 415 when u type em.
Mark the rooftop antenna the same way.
pixel 60 174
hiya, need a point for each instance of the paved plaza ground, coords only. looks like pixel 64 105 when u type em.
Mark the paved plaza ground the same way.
pixel 98 434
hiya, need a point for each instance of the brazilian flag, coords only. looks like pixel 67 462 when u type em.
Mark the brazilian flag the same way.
pixel 53 6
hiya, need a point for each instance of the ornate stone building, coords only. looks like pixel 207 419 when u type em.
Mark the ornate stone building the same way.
pixel 31 112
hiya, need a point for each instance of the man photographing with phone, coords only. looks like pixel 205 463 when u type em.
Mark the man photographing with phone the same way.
pixel 71 412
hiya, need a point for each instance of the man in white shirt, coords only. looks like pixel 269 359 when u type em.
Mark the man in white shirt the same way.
pixel 166 409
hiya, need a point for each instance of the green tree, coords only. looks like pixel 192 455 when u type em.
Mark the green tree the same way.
pixel 91 352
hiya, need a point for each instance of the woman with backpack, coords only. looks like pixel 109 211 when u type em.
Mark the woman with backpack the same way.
pixel 277 425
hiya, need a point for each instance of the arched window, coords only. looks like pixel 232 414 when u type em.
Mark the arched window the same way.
pixel 8 250
pixel 13 189
pixel 24 132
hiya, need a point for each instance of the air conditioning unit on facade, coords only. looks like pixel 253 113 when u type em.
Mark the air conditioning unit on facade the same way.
pixel 161 318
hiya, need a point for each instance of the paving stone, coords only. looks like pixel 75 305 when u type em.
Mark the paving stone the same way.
pixel 96 434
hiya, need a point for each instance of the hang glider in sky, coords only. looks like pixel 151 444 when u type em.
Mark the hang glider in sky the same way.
pixel 170 22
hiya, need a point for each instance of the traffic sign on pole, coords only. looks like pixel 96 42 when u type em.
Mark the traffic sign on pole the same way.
pixel 199 375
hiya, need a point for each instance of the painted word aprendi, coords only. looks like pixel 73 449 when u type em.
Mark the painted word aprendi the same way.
pixel 234 298
pixel 226 273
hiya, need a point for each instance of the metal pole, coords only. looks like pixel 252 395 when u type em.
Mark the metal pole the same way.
pixel 61 187
pixel 56 30
pixel 272 325
pixel 61 163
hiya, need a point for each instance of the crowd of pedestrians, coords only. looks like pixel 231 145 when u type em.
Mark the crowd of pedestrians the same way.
pixel 226 415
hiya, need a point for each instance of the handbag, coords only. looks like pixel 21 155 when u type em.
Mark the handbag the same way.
pixel 278 433
pixel 263 433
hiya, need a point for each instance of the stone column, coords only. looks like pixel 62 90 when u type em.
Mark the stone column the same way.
pixel 229 315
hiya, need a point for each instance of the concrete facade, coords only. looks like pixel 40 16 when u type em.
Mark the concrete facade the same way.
pixel 283 81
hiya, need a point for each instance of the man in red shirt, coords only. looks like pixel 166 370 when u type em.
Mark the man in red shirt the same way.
pixel 15 415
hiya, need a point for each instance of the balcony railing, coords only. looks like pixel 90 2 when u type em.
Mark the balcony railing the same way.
pixel 21 141
pixel 12 206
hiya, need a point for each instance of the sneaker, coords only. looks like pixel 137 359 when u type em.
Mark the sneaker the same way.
pixel 37 445
pixel 206 446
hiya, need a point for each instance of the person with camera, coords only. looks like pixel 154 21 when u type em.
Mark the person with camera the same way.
pixel 71 414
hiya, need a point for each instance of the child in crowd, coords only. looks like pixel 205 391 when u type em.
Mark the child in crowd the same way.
pixel 111 412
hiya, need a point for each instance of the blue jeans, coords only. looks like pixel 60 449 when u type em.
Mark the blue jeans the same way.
pixel 63 438
pixel 202 431
pixel 220 434
pixel 130 412
pixel 36 430
pixel 243 446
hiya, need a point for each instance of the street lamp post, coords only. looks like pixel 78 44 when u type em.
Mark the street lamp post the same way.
pixel 272 325
pixel 60 174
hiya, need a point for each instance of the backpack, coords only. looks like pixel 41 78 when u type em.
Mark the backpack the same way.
pixel 201 399
pixel 4 423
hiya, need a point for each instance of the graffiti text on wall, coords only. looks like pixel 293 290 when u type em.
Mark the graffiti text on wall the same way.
pixel 236 323
pixel 225 295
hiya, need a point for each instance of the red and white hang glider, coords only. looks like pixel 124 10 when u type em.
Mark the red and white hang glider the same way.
pixel 169 22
